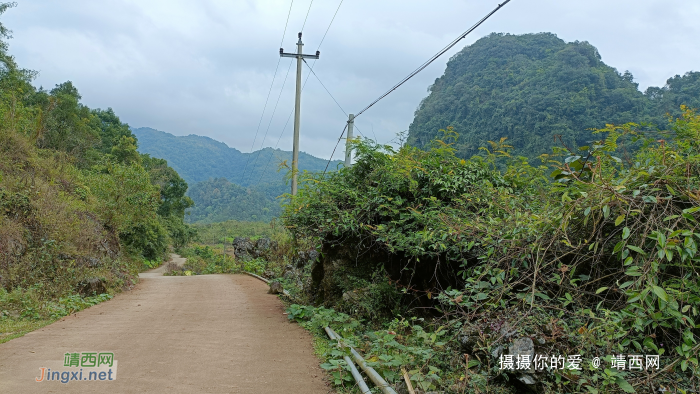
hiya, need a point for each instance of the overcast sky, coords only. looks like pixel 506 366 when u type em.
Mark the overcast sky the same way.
pixel 205 67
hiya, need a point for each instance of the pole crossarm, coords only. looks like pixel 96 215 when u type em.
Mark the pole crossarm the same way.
pixel 302 56
pixel 297 108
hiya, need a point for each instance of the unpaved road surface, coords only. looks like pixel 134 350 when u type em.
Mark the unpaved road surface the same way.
pixel 192 334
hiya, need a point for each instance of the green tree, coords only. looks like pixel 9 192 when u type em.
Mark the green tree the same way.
pixel 529 88
pixel 112 130
pixel 125 151
pixel 70 126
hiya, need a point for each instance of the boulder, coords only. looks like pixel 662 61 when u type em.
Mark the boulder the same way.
pixel 275 288
pixel 243 247
pixel 521 347
pixel 91 286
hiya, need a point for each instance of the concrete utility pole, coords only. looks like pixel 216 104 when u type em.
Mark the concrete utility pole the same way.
pixel 297 108
pixel 348 153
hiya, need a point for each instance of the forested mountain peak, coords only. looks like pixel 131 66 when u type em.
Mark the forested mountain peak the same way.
pixel 198 158
pixel 530 88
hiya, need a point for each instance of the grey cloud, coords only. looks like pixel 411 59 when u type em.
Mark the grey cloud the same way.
pixel 205 67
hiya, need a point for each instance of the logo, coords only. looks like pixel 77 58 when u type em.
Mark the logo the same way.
pixel 80 367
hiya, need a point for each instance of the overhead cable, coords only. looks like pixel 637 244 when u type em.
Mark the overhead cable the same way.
pixel 434 57
pixel 268 94
pixel 303 86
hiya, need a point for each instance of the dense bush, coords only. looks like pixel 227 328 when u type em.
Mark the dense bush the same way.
pixel 597 258
pixel 80 208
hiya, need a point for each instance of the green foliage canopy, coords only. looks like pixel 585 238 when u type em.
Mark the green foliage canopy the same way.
pixel 535 88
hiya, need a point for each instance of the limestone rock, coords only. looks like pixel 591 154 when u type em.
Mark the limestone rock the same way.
pixel 275 288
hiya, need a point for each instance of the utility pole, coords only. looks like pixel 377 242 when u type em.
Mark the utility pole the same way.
pixel 348 153
pixel 297 108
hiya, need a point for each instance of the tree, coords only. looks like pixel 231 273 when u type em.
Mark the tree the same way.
pixel 529 88
pixel 111 129
pixel 125 151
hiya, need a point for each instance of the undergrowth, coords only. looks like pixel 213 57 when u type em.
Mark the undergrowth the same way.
pixel 591 254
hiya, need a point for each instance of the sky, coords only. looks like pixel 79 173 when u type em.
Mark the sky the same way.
pixel 208 67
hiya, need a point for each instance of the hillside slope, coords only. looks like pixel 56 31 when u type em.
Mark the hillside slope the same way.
pixel 81 211
pixel 218 200
pixel 531 88
pixel 197 158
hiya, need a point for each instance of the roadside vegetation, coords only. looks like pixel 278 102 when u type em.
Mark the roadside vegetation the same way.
pixel 81 211
pixel 442 265
pixel 217 233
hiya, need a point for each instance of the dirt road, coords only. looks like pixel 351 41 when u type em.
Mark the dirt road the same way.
pixel 194 334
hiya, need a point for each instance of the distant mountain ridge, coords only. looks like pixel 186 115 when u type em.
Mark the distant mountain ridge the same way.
pixel 197 158
pixel 214 172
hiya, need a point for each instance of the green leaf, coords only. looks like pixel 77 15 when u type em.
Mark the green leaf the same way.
pixel 633 271
pixel 625 233
pixel 619 219
pixel 618 246
pixel 660 292
pixel 637 249
pixel 602 289
pixel 624 385
pixel 649 344
pixel 626 284
pixel 689 217
pixel 606 211
pixel 473 363
pixel 691 210
pixel 543 296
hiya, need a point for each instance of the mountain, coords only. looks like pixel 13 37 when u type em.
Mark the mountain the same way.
pixel 215 173
pixel 679 90
pixel 218 200
pixel 197 158
pixel 533 87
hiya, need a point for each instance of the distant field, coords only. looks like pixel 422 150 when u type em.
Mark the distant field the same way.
pixel 215 233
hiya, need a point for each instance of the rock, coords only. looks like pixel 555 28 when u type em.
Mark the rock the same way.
pixel 304 258
pixel 497 352
pixel 91 286
pixel 524 347
pixel 89 261
pixel 312 256
pixel 400 387
pixel 507 331
pixel 243 247
pixel 262 245
pixel 275 288
pixel 527 379
pixel 351 296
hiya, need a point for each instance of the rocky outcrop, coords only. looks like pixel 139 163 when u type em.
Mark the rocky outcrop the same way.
pixel 246 249
pixel 92 286
pixel 275 288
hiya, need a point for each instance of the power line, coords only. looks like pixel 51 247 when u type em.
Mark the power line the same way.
pixel 271 116
pixel 329 25
pixel 307 15
pixel 286 23
pixel 411 75
pixel 327 91
pixel 437 55
pixel 268 93
pixel 336 147
pixel 304 86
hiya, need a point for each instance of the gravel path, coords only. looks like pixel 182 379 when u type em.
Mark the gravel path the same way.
pixel 195 334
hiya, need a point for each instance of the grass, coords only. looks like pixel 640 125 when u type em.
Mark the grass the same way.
pixel 11 328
